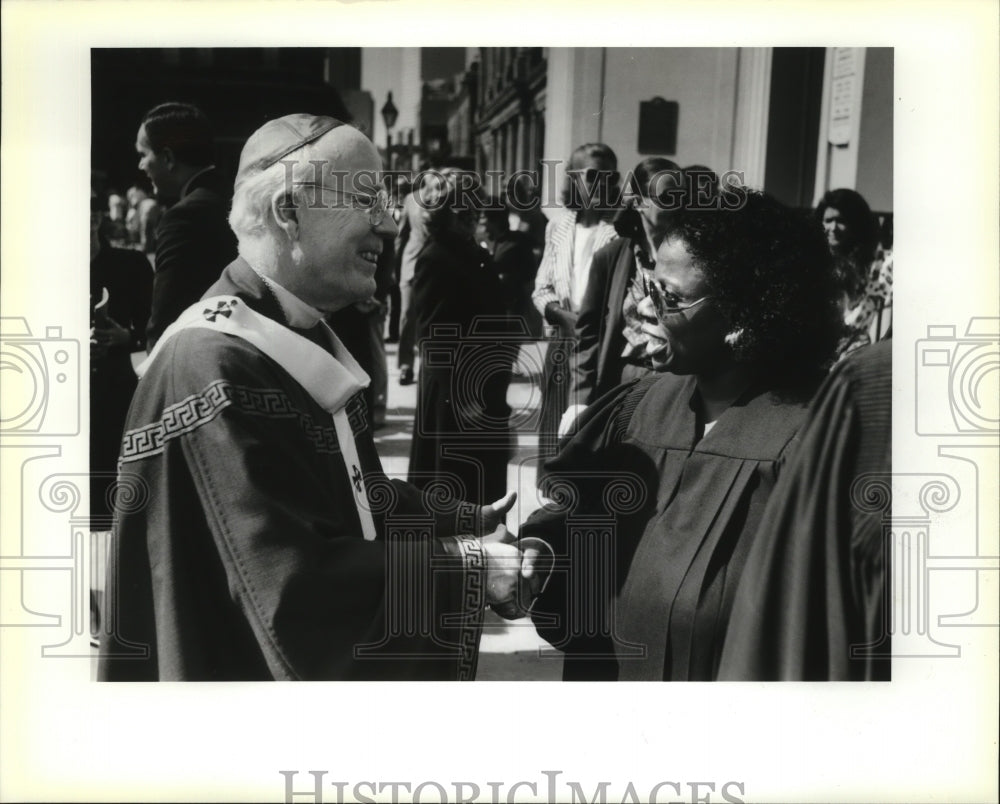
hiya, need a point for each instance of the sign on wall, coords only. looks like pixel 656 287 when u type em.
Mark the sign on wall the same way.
pixel 658 127
pixel 842 95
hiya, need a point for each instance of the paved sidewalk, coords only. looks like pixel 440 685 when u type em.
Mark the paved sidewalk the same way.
pixel 509 651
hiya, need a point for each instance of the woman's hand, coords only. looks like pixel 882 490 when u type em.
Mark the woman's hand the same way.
pixel 515 578
pixel 658 345
pixel 563 319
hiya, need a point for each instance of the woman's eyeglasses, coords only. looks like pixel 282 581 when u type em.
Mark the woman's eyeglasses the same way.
pixel 378 206
pixel 668 303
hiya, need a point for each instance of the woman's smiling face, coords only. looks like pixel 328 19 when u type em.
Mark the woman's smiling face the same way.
pixel 692 340
pixel 838 234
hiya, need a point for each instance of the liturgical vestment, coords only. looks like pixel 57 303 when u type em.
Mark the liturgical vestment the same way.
pixel 239 550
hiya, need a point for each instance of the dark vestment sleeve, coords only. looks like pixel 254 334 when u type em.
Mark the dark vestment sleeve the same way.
pixel 246 559
pixel 449 514
pixel 812 604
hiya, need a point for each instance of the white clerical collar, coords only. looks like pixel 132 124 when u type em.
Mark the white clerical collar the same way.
pixel 298 314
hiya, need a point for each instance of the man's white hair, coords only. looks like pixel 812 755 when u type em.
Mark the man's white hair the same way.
pixel 250 217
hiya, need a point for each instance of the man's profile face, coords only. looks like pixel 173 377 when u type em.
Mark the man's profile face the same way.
pixel 154 166
pixel 337 246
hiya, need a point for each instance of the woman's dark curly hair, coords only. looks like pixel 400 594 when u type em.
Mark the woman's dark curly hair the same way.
pixel 770 274
pixel 857 217
pixel 852 266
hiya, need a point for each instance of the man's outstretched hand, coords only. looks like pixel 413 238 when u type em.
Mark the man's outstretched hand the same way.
pixel 515 578
pixel 493 515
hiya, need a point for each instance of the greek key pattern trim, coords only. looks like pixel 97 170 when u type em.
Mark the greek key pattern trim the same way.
pixel 357 413
pixel 199 409
pixel 474 601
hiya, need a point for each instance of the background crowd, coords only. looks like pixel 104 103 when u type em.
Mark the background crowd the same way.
pixel 687 343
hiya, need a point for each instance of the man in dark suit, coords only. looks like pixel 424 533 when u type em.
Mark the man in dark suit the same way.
pixel 193 241
pixel 515 265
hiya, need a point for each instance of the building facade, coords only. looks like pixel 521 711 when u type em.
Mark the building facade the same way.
pixel 792 121
pixel 509 125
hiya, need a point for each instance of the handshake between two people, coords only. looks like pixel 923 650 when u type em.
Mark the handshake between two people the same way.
pixel 516 571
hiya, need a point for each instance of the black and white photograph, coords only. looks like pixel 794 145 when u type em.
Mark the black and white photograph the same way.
pixel 482 362
pixel 671 291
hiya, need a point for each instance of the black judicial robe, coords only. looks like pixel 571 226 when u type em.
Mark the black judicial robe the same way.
pixel 652 523
pixel 815 583
pixel 238 551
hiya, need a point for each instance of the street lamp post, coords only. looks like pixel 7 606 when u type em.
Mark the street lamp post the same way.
pixel 389 115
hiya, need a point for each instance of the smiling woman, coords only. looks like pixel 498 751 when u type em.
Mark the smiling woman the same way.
pixel 863 269
pixel 769 280
pixel 743 329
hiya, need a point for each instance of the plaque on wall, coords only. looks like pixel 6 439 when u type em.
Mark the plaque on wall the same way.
pixel 658 127
pixel 842 95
